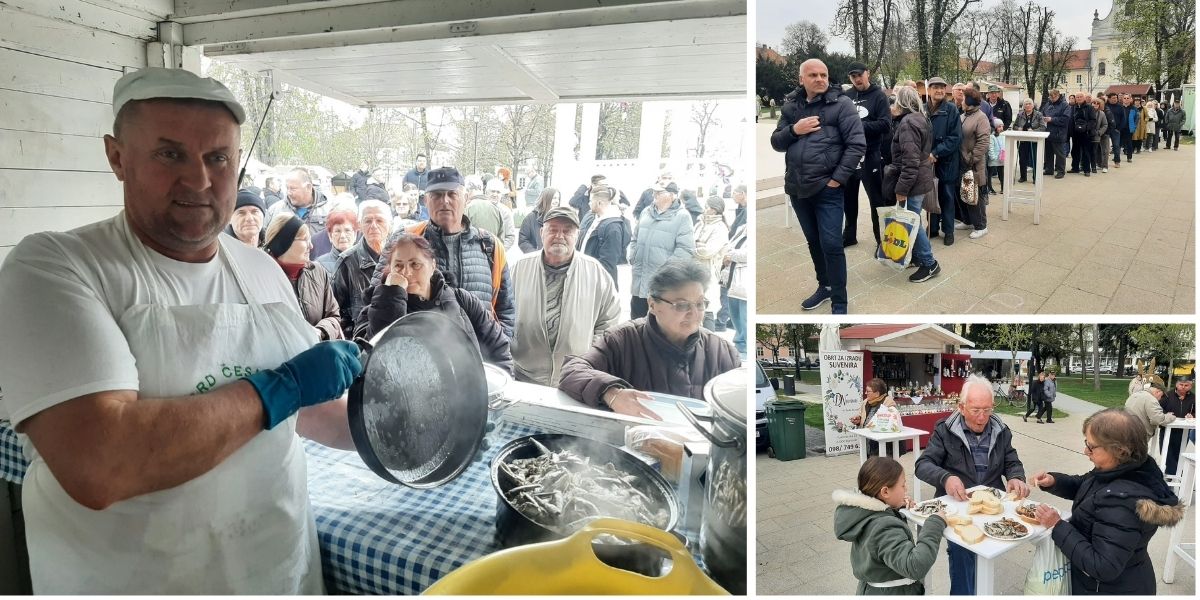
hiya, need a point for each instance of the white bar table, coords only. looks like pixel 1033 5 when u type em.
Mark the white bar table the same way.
pixel 1012 165
pixel 907 433
pixel 987 551
pixel 1164 439
pixel 1175 549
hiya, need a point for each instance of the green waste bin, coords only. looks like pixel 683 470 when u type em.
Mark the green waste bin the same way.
pixel 785 424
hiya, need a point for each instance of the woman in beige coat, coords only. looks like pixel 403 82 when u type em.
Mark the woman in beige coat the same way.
pixel 976 140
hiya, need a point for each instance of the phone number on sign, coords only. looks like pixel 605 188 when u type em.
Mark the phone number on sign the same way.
pixel 841 448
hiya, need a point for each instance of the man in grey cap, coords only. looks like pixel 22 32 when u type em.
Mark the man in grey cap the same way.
pixel 1001 109
pixel 158 373
pixel 565 300
pixel 947 138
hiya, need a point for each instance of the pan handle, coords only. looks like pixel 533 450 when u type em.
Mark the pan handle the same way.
pixel 683 566
pixel 695 419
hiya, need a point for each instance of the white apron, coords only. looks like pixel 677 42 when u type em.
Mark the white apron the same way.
pixel 244 527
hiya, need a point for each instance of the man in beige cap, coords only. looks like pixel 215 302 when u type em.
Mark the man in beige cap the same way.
pixel 158 373
pixel 565 299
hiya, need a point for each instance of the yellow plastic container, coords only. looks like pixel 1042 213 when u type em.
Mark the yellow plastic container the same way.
pixel 569 566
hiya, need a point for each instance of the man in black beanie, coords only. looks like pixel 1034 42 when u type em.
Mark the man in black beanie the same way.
pixel 246 224
pixel 873 110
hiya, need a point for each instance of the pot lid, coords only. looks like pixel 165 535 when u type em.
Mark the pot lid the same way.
pixel 419 410
pixel 728 394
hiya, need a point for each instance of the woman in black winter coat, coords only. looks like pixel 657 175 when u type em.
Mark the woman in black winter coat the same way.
pixel 1116 508
pixel 407 280
pixel 530 238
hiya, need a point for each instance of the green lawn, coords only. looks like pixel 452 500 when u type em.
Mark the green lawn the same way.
pixel 815 415
pixel 1113 391
pixel 1003 408
pixel 812 377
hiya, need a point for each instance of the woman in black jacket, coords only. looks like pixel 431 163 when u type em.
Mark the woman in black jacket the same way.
pixel 530 238
pixel 407 280
pixel 1116 508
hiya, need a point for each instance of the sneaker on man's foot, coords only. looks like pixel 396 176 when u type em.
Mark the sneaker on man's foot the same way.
pixel 959 225
pixel 819 297
pixel 948 240
pixel 1087 173
pixel 1104 170
pixel 978 233
pixel 1059 175
pixel 925 273
pixel 1022 180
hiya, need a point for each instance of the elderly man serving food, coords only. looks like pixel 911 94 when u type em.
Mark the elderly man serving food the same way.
pixel 971 447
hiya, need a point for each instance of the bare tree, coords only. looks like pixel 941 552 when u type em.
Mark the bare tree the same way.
pixel 1008 33
pixel 933 21
pixel 704 116
pixel 805 39
pixel 975 34
pixel 1036 23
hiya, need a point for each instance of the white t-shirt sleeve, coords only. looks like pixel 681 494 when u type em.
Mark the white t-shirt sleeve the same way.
pixel 60 339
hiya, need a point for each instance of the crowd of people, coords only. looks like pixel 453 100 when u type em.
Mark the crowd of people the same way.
pixel 1116 508
pixel 938 152
pixel 358 263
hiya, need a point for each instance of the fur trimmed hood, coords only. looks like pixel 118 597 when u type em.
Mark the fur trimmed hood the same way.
pixel 859 499
pixel 855 513
pixel 1161 515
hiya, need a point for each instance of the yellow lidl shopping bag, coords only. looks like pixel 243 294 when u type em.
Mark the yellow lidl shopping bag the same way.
pixel 898 229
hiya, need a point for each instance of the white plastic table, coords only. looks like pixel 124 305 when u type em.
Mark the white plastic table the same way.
pixel 1164 438
pixel 907 433
pixel 987 551
pixel 1175 549
pixel 1012 165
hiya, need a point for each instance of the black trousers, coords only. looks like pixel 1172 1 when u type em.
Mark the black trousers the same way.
pixel 1031 406
pixel 1127 144
pixel 1048 409
pixel 1056 157
pixel 638 307
pixel 1167 135
pixel 1081 153
pixel 1026 158
pixel 1174 441
pixel 871 177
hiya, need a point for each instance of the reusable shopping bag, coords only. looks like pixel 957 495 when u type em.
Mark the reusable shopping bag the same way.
pixel 898 230
pixel 1050 574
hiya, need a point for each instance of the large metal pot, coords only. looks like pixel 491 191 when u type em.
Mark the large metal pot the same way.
pixel 723 526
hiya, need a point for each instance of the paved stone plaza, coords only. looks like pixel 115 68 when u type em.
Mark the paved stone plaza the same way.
pixel 1121 242
pixel 797 552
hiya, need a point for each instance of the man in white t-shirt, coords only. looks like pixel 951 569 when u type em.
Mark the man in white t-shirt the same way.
pixel 158 372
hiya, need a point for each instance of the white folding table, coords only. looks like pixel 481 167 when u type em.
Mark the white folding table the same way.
pixel 907 433
pixel 1175 548
pixel 1011 166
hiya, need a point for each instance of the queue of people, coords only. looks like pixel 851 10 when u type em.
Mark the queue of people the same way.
pixel 199 359
pixel 835 140
pixel 1116 508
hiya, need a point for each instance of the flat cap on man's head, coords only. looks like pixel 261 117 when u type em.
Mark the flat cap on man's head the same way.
pixel 937 81
pixel 156 82
pixel 856 68
pixel 443 178
pixel 993 88
pixel 562 212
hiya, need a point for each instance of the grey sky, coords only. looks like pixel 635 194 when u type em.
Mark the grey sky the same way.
pixel 1073 17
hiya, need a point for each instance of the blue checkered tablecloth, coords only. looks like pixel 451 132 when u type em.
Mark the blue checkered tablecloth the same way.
pixel 12 458
pixel 377 537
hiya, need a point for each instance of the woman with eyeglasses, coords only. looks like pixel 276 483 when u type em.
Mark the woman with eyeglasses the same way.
pixel 666 352
pixel 1115 508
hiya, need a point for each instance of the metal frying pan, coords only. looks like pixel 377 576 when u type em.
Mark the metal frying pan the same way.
pixel 418 411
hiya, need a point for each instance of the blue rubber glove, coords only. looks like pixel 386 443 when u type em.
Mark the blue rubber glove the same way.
pixel 319 374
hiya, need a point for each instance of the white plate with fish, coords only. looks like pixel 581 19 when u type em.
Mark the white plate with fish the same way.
pixel 923 510
pixel 1006 529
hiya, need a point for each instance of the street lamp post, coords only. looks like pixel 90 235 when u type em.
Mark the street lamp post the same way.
pixel 475 161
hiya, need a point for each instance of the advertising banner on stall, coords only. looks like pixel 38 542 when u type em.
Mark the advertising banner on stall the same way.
pixel 842 391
